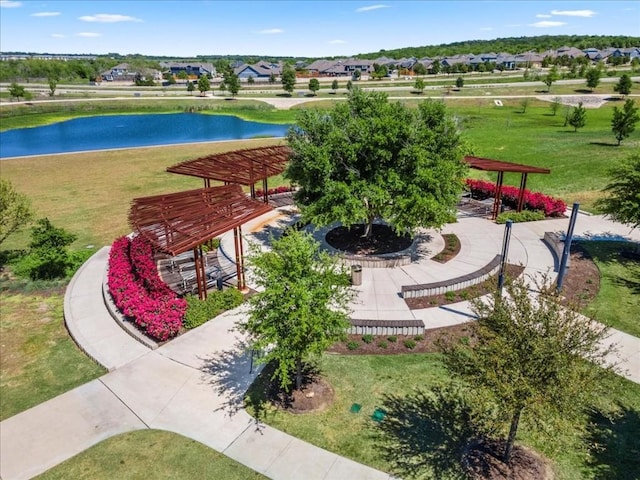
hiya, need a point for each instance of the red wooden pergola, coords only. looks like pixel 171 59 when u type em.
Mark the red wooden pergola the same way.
pixel 501 167
pixel 243 167
pixel 177 222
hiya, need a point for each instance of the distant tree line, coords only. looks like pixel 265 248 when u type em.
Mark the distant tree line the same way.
pixel 509 45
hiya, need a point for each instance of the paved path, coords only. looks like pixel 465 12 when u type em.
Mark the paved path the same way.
pixel 194 384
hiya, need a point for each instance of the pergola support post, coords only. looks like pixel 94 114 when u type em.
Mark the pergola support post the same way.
pixel 201 279
pixel 237 244
pixel 265 190
pixel 523 186
pixel 498 196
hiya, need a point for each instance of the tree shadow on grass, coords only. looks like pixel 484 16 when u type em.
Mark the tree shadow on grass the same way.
pixel 604 144
pixel 424 434
pixel 615 444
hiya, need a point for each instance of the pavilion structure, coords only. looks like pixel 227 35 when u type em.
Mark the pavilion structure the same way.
pixel 501 167
pixel 178 222
pixel 243 167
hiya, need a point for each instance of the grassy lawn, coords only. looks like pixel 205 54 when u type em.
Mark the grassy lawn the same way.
pixel 618 300
pixel 366 379
pixel 150 454
pixel 39 359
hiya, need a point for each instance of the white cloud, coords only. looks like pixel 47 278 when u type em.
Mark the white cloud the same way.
pixel 543 15
pixel 108 18
pixel 45 14
pixel 574 13
pixel 88 34
pixel 58 35
pixel 547 24
pixel 271 31
pixel 371 7
pixel 9 4
pixel 337 41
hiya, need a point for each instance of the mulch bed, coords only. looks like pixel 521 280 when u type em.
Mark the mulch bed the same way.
pixel 451 248
pixel 382 240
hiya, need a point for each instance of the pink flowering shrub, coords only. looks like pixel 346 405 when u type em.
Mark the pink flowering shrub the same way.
pixel 138 291
pixel 273 191
pixel 551 207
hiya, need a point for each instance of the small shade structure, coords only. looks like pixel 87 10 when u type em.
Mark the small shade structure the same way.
pixel 243 167
pixel 489 165
pixel 177 222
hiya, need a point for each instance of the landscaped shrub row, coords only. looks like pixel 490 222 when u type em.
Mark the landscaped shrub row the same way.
pixel 157 310
pixel 273 191
pixel 552 207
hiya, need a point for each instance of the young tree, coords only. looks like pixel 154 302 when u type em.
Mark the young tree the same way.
pixel 314 85
pixel 190 87
pixel 530 356
pixel 288 78
pixel 250 80
pixel 419 85
pixel 334 86
pixel 524 103
pixel 53 83
pixel 369 158
pixel 593 77
pixel 578 117
pixel 349 85
pixel 555 105
pixel 419 69
pixel 459 82
pixel 551 77
pixel 622 202
pixel 623 87
pixel 15 210
pixel 624 120
pixel 204 85
pixel 301 307
pixel 17 91
pixel 272 79
pixel 231 81
pixel 357 74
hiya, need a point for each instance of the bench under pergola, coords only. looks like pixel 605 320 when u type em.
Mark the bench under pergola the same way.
pixel 501 167
pixel 244 167
pixel 178 222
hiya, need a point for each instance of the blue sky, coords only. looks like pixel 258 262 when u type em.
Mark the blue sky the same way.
pixel 293 28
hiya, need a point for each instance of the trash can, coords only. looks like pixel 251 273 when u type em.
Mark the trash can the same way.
pixel 356 274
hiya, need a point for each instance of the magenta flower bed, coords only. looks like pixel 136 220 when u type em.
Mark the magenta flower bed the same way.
pixel 551 207
pixel 138 291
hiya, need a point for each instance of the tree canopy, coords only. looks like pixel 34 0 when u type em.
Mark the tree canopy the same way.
pixel 301 308
pixel 288 78
pixel 15 210
pixel 623 87
pixel 530 355
pixel 622 202
pixel 369 158
pixel 624 120
pixel 204 85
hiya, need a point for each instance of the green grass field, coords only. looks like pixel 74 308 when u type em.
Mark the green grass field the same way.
pixel 367 379
pixel 150 454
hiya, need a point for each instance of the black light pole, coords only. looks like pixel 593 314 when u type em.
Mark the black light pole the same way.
pixel 505 252
pixel 567 246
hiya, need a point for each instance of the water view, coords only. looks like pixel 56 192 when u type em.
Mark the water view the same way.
pixel 124 131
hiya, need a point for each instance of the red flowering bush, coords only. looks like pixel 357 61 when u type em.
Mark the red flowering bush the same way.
pixel 274 191
pixel 551 207
pixel 138 291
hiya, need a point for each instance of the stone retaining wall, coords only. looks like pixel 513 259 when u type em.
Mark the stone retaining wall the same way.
pixel 386 327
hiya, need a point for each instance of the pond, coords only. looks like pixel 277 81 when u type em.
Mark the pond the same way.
pixel 126 131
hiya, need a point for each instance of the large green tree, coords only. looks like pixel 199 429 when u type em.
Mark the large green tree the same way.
pixel 314 85
pixel 301 307
pixel 288 78
pixel 622 200
pixel 369 158
pixel 624 120
pixel 232 82
pixel 204 85
pixel 593 77
pixel 530 356
pixel 15 210
pixel 623 87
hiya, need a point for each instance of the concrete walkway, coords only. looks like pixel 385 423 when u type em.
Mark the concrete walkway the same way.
pixel 194 384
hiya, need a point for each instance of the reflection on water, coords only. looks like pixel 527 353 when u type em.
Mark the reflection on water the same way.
pixel 122 131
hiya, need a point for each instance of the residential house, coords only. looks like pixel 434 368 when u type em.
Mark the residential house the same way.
pixel 192 70
pixel 258 71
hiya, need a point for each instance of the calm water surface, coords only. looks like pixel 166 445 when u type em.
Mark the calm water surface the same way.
pixel 123 131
